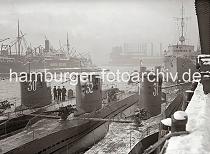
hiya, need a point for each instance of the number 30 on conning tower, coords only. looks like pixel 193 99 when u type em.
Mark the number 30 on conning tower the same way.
pixel 31 86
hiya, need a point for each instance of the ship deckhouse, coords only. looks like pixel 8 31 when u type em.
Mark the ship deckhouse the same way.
pixel 180 50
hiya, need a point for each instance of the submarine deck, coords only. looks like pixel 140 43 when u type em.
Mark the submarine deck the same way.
pixel 54 105
pixel 38 130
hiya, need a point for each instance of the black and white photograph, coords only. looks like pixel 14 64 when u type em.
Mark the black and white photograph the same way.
pixel 104 76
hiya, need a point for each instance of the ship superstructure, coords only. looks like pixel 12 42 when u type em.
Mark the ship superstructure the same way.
pixel 180 57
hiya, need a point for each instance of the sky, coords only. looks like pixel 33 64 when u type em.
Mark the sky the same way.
pixel 95 26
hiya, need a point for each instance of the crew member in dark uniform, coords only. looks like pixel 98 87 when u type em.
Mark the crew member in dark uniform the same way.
pixel 55 94
pixel 59 91
pixel 63 93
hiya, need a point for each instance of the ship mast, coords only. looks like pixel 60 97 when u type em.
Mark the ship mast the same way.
pixel 67 42
pixel 182 38
pixel 18 41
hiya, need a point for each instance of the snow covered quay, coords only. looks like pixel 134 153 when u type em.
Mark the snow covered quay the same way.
pixel 198 141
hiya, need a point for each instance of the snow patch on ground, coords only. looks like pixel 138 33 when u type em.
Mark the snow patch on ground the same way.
pixel 198 141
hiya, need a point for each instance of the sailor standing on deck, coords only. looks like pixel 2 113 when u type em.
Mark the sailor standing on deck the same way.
pixel 55 94
pixel 59 91
pixel 63 93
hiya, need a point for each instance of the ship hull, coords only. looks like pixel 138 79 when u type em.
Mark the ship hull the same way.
pixel 94 136
pixel 87 141
pixel 18 66
pixel 52 64
pixel 180 66
pixel 15 67
pixel 74 134
pixel 18 121
pixel 12 125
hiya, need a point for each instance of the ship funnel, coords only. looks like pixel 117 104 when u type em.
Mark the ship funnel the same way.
pixel 203 16
pixel 89 94
pixel 47 45
pixel 34 91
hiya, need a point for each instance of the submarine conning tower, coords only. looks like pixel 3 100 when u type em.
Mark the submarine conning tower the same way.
pixel 203 16
pixel 89 94
pixel 34 90
pixel 150 94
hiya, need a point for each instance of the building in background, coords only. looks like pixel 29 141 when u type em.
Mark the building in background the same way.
pixel 131 54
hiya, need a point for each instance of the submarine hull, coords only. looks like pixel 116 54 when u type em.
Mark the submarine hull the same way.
pixel 71 134
pixel 94 136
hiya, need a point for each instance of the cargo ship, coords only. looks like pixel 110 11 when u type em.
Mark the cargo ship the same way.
pixel 48 58
pixel 21 59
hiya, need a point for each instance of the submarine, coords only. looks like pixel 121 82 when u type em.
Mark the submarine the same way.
pixel 35 97
pixel 52 133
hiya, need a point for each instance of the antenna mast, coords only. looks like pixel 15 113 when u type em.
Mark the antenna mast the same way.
pixel 182 18
pixel 182 38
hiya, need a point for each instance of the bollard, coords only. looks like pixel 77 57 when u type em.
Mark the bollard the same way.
pixel 179 121
pixel 165 126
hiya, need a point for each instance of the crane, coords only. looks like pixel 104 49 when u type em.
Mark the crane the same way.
pixel 2 40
